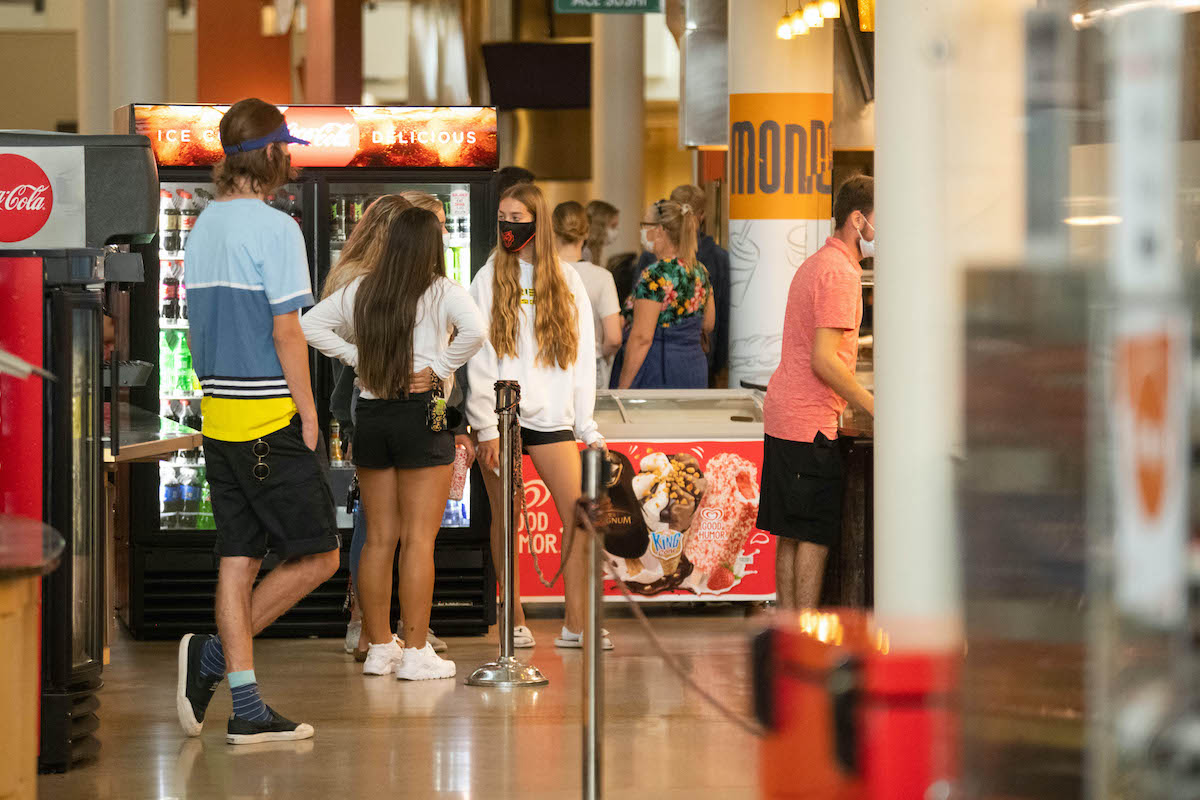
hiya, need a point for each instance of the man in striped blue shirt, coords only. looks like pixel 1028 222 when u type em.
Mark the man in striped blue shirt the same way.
pixel 246 275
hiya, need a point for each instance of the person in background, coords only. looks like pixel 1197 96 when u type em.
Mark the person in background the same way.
pixel 671 308
pixel 361 254
pixel 504 179
pixel 402 314
pixel 716 260
pixel 247 278
pixel 803 475
pixel 541 335
pixel 570 226
pixel 603 221
pixel 358 257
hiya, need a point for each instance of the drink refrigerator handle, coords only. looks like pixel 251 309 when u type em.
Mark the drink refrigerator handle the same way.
pixel 112 301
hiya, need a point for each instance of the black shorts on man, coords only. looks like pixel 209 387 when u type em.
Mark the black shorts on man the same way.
pixel 802 488
pixel 270 494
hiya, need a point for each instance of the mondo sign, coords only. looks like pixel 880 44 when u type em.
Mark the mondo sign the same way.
pixel 780 156
pixel 341 136
pixel 26 198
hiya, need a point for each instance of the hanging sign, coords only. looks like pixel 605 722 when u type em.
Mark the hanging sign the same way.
pixel 608 6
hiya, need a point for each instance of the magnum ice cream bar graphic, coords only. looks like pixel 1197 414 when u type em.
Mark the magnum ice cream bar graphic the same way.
pixel 341 136
pixel 620 513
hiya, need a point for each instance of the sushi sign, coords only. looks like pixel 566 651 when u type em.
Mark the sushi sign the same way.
pixel 704 546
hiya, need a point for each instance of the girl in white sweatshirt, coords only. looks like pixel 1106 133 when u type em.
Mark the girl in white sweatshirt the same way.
pixel 391 326
pixel 540 334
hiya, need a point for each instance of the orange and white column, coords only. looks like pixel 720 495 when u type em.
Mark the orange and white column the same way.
pixel 780 174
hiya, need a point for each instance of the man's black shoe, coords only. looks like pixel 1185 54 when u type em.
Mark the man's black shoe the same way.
pixel 193 690
pixel 274 729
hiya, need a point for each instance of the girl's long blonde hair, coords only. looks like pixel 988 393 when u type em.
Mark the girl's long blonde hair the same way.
pixel 556 325
pixel 365 246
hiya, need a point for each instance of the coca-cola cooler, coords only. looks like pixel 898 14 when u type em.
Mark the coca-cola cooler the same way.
pixel 357 154
pixel 70 208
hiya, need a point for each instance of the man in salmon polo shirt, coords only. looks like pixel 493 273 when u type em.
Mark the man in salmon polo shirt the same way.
pixel 803 475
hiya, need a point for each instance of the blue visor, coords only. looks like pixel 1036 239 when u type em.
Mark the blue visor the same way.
pixel 280 134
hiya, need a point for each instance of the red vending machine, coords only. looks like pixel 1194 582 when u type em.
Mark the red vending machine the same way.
pixel 70 208
pixel 358 153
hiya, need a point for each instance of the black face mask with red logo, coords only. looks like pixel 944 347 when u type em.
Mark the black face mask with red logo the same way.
pixel 515 235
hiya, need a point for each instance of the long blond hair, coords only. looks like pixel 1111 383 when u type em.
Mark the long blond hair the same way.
pixel 365 246
pixel 556 325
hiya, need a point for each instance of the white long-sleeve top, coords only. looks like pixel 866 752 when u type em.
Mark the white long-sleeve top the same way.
pixel 445 306
pixel 552 398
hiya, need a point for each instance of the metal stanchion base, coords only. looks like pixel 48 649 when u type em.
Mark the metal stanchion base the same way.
pixel 507 672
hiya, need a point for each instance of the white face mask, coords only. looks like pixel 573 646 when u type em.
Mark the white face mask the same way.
pixel 867 248
pixel 647 242
pixel 445 241
pixel 610 237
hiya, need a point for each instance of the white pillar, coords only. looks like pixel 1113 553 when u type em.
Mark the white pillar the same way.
pixel 618 119
pixel 137 57
pixel 781 174
pixel 91 69
pixel 918 311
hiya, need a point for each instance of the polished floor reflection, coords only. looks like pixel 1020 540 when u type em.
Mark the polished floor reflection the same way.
pixel 434 739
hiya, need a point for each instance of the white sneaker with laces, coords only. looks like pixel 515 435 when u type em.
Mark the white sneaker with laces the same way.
pixel 522 637
pixel 382 659
pixel 575 640
pixel 424 665
pixel 353 631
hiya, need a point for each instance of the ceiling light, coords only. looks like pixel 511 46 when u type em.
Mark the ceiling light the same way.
pixel 831 9
pixel 866 16
pixel 812 15
pixel 784 31
pixel 796 20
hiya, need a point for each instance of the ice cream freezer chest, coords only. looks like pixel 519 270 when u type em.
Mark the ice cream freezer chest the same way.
pixel 682 500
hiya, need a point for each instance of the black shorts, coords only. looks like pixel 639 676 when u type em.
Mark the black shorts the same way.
pixel 802 488
pixel 395 434
pixel 530 437
pixel 289 512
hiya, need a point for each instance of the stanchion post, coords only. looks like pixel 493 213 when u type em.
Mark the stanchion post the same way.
pixel 507 671
pixel 594 486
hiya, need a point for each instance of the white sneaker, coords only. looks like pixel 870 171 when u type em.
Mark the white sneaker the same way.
pixel 522 637
pixel 353 631
pixel 575 640
pixel 382 659
pixel 424 665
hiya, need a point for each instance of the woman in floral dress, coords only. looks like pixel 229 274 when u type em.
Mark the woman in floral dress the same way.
pixel 671 310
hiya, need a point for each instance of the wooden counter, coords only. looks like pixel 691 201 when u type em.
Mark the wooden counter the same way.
pixel 850 568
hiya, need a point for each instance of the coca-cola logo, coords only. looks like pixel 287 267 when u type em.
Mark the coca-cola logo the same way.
pixel 333 134
pixel 26 198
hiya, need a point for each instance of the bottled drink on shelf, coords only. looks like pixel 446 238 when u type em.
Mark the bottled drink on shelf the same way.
pixel 170 309
pixel 168 361
pixel 188 211
pixel 183 307
pixel 169 222
pixel 189 491
pixel 337 218
pixel 171 490
pixel 293 210
pixel 204 518
pixel 203 198
pixel 335 443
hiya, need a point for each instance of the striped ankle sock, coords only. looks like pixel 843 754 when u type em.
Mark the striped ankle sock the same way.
pixel 212 658
pixel 246 702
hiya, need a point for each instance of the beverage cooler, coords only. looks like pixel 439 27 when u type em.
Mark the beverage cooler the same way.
pixel 357 154
pixel 70 207
pixel 682 501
